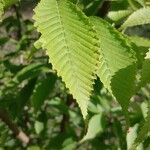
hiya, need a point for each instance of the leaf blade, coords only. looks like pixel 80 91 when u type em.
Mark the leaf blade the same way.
pixel 42 89
pixel 69 51
pixel 117 63
pixel 139 17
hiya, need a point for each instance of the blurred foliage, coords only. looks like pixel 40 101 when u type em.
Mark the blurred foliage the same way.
pixel 38 102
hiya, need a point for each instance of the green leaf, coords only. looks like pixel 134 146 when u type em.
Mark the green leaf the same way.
pixel 117 62
pixel 136 4
pixel 119 133
pixel 69 144
pixel 92 7
pixel 140 41
pixel 141 2
pixel 145 77
pixel 33 148
pixel 131 135
pixel 95 127
pixel 118 15
pixel 29 71
pixel 3 40
pixel 39 126
pixel 139 50
pixel 8 3
pixel 71 45
pixel 139 17
pixel 5 4
pixel 1 9
pixel 42 89
pixel 117 4
pixel 144 131
pixel 22 98
pixel 38 43
pixel 148 54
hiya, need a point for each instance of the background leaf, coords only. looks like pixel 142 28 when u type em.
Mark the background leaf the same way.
pixel 29 71
pixel 42 89
pixel 139 17
pixel 118 15
pixel 144 131
pixel 95 127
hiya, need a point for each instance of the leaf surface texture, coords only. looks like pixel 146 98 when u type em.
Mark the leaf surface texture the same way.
pixel 117 62
pixel 71 44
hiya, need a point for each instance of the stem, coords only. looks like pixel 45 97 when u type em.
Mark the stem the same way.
pixel 4 116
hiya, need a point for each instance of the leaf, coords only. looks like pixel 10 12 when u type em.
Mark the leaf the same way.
pixel 140 41
pixel 3 40
pixel 95 127
pixel 33 148
pixel 136 4
pixel 42 89
pixel 22 98
pixel 144 132
pixel 29 71
pixel 145 77
pixel 131 135
pixel 119 133
pixel 141 2
pixel 8 3
pixel 139 50
pixel 92 7
pixel 117 62
pixel 117 4
pixel 5 4
pixel 69 144
pixel 148 54
pixel 1 9
pixel 71 45
pixel 39 126
pixel 139 17
pixel 38 43
pixel 118 15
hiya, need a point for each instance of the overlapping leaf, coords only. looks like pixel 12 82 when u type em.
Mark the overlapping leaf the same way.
pixel 140 41
pixel 118 15
pixel 95 127
pixel 138 46
pixel 71 44
pixel 144 132
pixel 139 17
pixel 117 62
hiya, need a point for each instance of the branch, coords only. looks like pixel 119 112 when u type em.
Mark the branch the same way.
pixel 4 116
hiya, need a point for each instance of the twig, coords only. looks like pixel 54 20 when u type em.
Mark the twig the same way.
pixel 4 116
